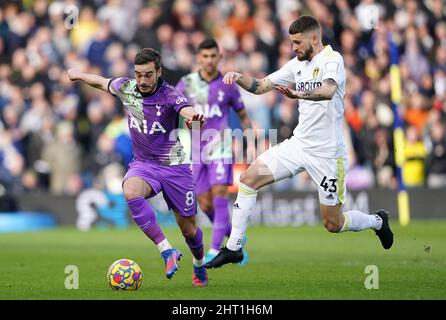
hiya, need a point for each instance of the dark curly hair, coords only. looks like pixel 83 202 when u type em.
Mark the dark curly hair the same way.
pixel 148 55
pixel 303 24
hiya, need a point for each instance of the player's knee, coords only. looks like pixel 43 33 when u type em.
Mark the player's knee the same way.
pixel 332 227
pixel 248 180
pixel 206 207
pixel 131 193
pixel 133 190
pixel 205 204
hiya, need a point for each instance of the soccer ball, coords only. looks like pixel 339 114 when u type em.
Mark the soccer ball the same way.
pixel 124 274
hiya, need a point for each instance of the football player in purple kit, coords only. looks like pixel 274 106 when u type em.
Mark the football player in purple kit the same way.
pixel 153 107
pixel 213 174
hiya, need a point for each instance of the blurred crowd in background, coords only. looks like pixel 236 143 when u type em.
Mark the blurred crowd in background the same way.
pixel 58 135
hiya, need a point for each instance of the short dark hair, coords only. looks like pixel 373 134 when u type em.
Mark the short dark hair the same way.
pixel 148 55
pixel 207 44
pixel 303 24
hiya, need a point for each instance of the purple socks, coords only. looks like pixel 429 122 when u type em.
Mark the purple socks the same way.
pixel 211 216
pixel 196 244
pixel 221 226
pixel 145 218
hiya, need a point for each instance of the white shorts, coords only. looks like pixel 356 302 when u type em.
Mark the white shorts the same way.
pixel 287 159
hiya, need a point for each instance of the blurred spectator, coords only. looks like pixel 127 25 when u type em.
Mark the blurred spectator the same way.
pixel 417 111
pixel 120 16
pixel 85 29
pixel 384 159
pixel 436 159
pixel 37 140
pixel 183 16
pixel 415 153
pixel 410 15
pixel 145 35
pixel 414 57
pixel 241 20
pixel 11 163
pixel 63 157
pixel 118 131
pixel 427 86
pixel 440 33
pixel 96 49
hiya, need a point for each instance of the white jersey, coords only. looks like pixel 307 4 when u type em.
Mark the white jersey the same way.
pixel 320 122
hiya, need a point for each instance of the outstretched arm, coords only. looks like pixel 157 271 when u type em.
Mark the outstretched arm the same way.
pixel 90 79
pixel 253 85
pixel 324 92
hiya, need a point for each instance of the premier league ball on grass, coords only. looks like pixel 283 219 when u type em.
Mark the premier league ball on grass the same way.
pixel 124 274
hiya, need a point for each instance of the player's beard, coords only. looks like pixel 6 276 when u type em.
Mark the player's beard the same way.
pixel 210 70
pixel 147 89
pixel 307 54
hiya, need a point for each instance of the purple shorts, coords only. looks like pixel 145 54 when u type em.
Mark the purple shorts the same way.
pixel 207 175
pixel 175 182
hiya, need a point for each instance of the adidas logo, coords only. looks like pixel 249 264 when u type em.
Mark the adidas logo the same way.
pixel 299 73
pixel 236 206
pixel 330 196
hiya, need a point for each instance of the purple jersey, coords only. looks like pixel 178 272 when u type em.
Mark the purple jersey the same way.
pixel 152 120
pixel 212 99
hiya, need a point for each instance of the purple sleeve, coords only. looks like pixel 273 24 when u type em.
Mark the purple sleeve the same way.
pixel 236 99
pixel 181 87
pixel 178 100
pixel 114 86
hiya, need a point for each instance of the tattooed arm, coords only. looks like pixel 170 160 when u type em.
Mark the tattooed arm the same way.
pixel 253 85
pixel 324 92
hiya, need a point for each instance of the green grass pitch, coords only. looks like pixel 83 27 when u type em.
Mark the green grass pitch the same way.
pixel 285 263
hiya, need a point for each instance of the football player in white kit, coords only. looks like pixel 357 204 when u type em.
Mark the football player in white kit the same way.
pixel 316 146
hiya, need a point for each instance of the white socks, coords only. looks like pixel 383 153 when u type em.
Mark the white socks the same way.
pixel 163 245
pixel 243 206
pixel 198 263
pixel 355 220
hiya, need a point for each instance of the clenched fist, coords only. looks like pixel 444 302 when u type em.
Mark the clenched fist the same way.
pixel 74 74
